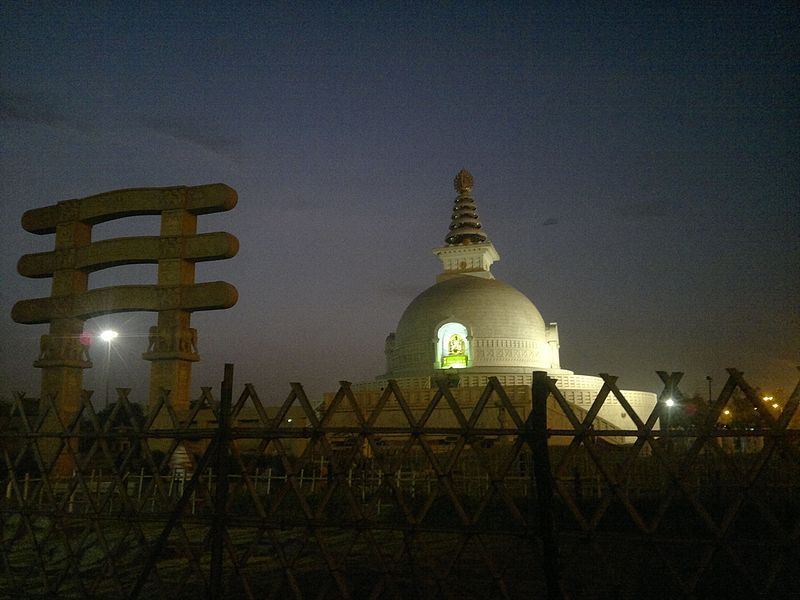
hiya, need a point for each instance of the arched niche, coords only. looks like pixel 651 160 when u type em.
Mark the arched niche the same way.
pixel 452 347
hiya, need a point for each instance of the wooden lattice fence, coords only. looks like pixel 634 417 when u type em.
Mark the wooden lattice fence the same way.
pixel 287 503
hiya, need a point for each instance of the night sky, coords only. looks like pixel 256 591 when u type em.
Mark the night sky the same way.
pixel 637 170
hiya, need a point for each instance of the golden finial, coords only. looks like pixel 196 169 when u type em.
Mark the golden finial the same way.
pixel 463 182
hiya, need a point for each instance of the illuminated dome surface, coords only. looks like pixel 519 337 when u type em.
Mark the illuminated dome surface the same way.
pixel 505 331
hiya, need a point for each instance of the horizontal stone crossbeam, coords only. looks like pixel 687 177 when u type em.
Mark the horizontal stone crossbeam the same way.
pixel 197 200
pixel 130 250
pixel 126 298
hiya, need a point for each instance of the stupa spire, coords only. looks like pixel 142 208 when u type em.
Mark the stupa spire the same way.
pixel 465 226
pixel 468 250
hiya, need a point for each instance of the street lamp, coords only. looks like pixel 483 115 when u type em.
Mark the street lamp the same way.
pixel 108 335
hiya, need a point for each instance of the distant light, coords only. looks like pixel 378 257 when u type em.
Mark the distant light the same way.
pixel 767 398
pixel 670 402
pixel 288 420
pixel 108 335
pixel 726 412
pixel 775 405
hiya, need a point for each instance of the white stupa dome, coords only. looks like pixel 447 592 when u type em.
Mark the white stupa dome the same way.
pixel 469 321
pixel 501 327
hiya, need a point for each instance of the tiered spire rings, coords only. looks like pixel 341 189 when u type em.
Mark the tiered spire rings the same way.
pixel 465 227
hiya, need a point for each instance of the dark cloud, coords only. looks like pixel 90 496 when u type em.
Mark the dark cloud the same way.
pixel 550 221
pixel 191 130
pixel 31 108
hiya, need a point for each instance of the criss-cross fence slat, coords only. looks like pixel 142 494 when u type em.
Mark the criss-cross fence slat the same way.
pixel 400 500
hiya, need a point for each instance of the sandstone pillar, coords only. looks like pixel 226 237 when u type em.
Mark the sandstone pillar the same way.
pixel 173 343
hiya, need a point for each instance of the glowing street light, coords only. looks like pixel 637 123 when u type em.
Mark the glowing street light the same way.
pixel 108 335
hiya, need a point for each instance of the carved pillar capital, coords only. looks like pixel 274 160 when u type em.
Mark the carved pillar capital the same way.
pixel 172 343
pixel 62 351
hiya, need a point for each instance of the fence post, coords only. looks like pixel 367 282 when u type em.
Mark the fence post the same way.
pixel 221 491
pixel 175 515
pixel 544 482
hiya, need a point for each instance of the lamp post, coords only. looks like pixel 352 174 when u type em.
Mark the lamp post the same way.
pixel 669 403
pixel 108 335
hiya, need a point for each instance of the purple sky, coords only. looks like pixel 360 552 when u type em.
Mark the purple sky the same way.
pixel 637 170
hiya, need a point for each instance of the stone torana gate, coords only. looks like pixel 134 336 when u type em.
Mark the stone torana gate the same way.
pixel 172 344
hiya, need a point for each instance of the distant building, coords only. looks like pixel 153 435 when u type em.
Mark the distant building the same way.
pixel 469 326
